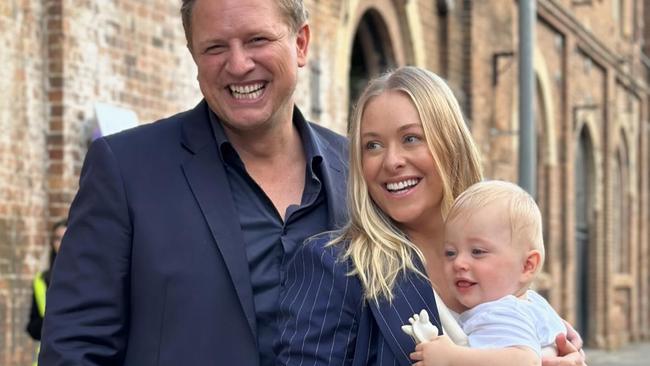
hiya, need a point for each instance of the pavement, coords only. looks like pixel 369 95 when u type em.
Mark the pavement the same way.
pixel 635 354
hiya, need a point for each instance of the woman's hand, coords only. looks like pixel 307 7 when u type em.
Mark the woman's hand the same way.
pixel 568 353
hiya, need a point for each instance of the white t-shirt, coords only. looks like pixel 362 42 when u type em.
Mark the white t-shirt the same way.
pixel 509 321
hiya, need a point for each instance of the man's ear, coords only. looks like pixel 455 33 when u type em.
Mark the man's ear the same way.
pixel 302 44
pixel 531 262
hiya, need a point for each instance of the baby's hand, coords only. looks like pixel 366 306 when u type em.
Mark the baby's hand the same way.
pixel 421 328
pixel 437 352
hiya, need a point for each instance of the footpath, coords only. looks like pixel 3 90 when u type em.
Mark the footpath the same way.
pixel 635 354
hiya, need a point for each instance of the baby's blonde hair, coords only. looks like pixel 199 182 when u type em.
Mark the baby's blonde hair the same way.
pixel 523 212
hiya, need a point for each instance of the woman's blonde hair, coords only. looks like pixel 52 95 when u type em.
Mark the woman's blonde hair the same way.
pixel 379 250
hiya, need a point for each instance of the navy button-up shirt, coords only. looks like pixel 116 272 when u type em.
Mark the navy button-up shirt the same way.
pixel 271 239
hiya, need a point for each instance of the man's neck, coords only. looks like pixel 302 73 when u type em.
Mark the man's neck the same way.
pixel 276 140
pixel 274 158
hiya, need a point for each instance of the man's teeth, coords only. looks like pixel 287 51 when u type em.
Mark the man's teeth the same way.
pixel 247 91
pixel 401 185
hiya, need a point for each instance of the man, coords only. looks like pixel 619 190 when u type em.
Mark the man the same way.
pixel 181 229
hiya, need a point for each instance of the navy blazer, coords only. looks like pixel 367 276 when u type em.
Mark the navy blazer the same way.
pixel 152 269
pixel 324 319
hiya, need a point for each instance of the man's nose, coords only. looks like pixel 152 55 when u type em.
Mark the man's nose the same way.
pixel 239 61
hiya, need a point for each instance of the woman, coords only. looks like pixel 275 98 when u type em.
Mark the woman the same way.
pixel 347 294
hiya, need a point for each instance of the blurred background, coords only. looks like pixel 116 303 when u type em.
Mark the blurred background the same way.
pixel 73 70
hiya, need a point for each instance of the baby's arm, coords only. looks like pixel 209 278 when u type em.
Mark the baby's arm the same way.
pixel 441 351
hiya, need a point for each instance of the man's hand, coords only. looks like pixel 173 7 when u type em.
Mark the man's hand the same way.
pixel 573 336
pixel 568 354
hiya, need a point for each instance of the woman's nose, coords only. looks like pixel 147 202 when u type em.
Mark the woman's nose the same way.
pixel 394 158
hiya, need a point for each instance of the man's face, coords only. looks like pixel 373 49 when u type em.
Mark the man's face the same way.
pixel 247 58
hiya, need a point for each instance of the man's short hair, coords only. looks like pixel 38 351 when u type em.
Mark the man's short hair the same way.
pixel 293 10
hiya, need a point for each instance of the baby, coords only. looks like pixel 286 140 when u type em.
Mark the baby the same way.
pixel 493 249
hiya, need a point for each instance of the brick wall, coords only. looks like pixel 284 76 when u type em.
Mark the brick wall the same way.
pixel 23 169
pixel 60 57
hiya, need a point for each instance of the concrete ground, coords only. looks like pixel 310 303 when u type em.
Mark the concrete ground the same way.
pixel 636 354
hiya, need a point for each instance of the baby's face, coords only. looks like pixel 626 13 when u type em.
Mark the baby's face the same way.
pixel 481 263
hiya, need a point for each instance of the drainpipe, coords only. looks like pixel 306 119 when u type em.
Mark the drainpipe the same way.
pixel 527 133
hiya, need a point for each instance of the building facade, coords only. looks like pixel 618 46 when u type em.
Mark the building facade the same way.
pixel 62 59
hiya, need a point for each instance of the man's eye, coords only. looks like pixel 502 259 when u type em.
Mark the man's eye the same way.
pixel 258 40
pixel 214 49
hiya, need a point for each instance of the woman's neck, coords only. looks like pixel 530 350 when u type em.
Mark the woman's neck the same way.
pixel 430 242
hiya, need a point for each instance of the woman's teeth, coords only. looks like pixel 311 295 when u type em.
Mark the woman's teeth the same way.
pixel 398 186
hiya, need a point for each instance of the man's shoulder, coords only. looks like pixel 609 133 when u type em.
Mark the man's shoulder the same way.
pixel 333 138
pixel 158 128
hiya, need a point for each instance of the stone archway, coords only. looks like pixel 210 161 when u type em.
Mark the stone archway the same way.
pixel 371 32
pixel 372 52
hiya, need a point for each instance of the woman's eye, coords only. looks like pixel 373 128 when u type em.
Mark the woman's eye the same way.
pixel 411 139
pixel 372 145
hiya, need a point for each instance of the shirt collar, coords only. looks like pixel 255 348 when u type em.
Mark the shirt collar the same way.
pixel 311 148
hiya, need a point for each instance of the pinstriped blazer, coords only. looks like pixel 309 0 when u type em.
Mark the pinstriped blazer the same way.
pixel 324 319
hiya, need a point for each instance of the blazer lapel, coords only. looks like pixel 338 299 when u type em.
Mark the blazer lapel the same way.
pixel 207 178
pixel 412 294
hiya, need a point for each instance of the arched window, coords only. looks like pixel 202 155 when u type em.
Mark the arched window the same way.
pixel 621 213
pixel 372 52
pixel 584 248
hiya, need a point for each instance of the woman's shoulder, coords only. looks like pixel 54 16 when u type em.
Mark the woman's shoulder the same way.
pixel 321 260
pixel 328 246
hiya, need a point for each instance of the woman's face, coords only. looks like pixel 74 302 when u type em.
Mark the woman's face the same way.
pixel 398 167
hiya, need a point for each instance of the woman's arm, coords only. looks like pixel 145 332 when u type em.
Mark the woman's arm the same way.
pixel 319 308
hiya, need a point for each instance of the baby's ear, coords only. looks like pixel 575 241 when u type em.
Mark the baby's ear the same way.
pixel 532 261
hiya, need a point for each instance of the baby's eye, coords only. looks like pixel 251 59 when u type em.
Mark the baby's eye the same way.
pixel 449 253
pixel 478 252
